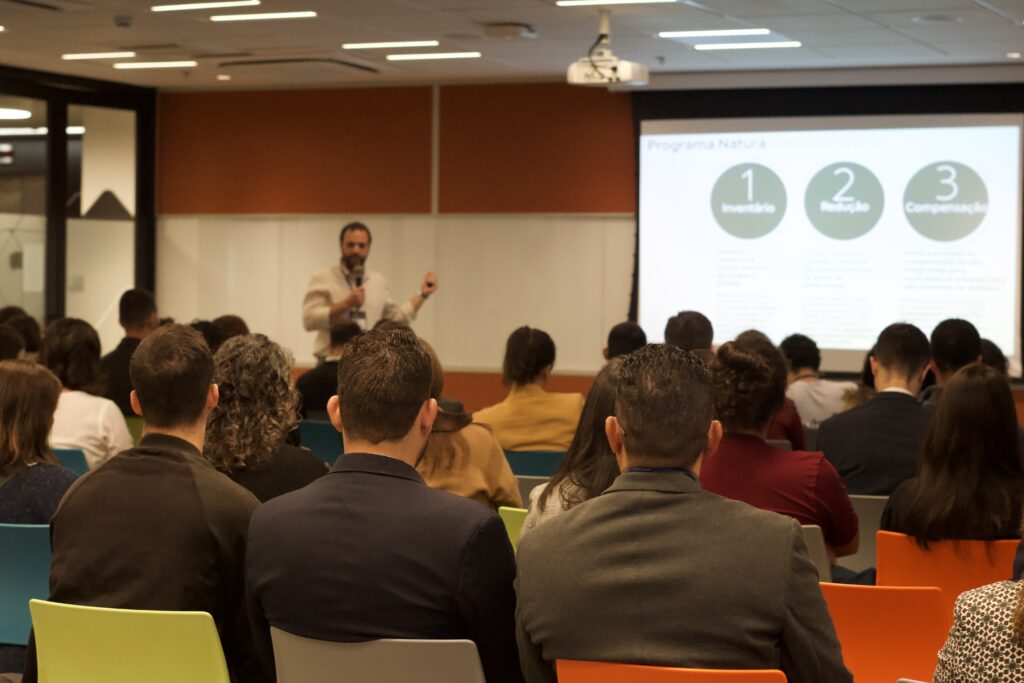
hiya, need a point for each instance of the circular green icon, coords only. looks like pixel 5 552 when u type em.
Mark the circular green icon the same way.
pixel 945 201
pixel 844 200
pixel 748 201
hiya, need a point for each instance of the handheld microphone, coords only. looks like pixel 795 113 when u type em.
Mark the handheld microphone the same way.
pixel 357 273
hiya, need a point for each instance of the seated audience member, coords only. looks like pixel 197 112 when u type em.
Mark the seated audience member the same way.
pixel 28 328
pixel 230 326
pixel 656 571
pixel 875 447
pixel 316 386
pixel 245 437
pixel 589 466
pixel 465 458
pixel 531 418
pixel 137 315
pixel 955 343
pixel 865 389
pixel 816 399
pixel 690 331
pixel 748 387
pixel 986 642
pixel 992 356
pixel 12 344
pixel 970 483
pixel 387 324
pixel 624 338
pixel 370 551
pixel 211 333
pixel 31 481
pixel 84 419
pixel 785 424
pixel 157 527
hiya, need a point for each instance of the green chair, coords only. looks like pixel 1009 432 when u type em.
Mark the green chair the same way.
pixel 322 439
pixel 24 574
pixel 534 463
pixel 72 459
pixel 135 424
pixel 513 519
pixel 77 644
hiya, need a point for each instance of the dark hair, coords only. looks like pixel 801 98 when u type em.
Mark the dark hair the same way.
pixel 344 332
pixel 663 403
pixel 172 370
pixel 903 348
pixel 970 483
pixel 135 308
pixel 230 326
pixel 28 399
pixel 589 465
pixel 387 324
pixel 211 333
pixel 71 350
pixel 527 352
pixel 355 225
pixel 28 328
pixel 11 343
pixel 955 343
pixel 992 356
pixel 689 330
pixel 625 338
pixel 867 377
pixel 8 312
pixel 801 352
pixel 384 378
pixel 749 383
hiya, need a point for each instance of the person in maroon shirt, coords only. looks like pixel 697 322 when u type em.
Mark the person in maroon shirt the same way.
pixel 749 384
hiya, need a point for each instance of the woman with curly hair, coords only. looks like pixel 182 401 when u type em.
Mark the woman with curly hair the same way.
pixel 245 435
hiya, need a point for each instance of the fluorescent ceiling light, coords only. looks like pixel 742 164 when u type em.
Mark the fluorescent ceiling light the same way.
pixel 223 77
pixel 75 130
pixel 2 29
pixel 41 130
pixel 155 65
pixel 7 114
pixel 433 55
pixel 397 43
pixel 97 55
pixel 723 33
pixel 747 46
pixel 581 3
pixel 1013 55
pixel 263 15
pixel 204 5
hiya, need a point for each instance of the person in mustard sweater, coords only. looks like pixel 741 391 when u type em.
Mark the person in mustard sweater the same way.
pixel 531 418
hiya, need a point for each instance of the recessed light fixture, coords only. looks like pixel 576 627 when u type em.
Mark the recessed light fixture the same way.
pixel 433 55
pixel 582 3
pixel 97 55
pixel 223 77
pixel 41 130
pixel 75 130
pixel 747 46
pixel 263 15
pixel 185 63
pixel 2 29
pixel 7 114
pixel 204 5
pixel 1013 55
pixel 723 33
pixel 397 43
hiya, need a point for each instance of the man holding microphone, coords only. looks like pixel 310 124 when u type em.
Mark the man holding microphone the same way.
pixel 347 291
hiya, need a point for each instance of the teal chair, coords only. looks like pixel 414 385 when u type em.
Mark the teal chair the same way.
pixel 72 459
pixel 322 439
pixel 534 463
pixel 24 574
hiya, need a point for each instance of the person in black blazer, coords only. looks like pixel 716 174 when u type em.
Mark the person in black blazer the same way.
pixel 874 447
pixel 138 317
pixel 369 551
pixel 316 386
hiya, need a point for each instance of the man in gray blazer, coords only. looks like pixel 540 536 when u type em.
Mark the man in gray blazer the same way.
pixel 656 571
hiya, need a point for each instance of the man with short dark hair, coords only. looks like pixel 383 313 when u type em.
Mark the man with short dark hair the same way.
pixel 316 386
pixel 955 343
pixel 138 317
pixel 874 447
pixel 690 331
pixel 624 338
pixel 12 344
pixel 656 571
pixel 816 399
pixel 157 527
pixel 370 551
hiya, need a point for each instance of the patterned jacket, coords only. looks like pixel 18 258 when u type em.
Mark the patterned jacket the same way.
pixel 981 646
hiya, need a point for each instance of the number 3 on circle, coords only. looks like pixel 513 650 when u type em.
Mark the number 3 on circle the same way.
pixel 949 180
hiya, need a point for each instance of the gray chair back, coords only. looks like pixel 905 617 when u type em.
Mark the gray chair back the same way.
pixel 527 484
pixel 869 517
pixel 815 542
pixel 784 444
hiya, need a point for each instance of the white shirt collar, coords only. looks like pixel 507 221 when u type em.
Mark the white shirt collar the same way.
pixel 896 390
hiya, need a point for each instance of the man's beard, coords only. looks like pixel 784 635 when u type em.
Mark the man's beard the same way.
pixel 351 261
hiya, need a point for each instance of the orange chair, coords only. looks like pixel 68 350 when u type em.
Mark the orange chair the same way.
pixel 570 671
pixel 953 566
pixel 886 632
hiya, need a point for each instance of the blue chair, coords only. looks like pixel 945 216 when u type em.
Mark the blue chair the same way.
pixel 534 463
pixel 24 574
pixel 72 459
pixel 322 439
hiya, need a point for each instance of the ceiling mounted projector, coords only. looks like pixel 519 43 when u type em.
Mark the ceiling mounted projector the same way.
pixel 600 67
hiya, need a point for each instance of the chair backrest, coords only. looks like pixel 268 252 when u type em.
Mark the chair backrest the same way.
pixel 571 671
pixel 534 463
pixel 306 660
pixel 814 539
pixel 953 566
pixel 887 632
pixel 135 425
pixel 76 644
pixel 784 444
pixel 513 519
pixel 810 438
pixel 320 437
pixel 527 484
pixel 869 517
pixel 72 459
pixel 24 574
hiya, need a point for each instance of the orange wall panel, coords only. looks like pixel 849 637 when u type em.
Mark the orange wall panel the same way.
pixel 536 148
pixel 301 151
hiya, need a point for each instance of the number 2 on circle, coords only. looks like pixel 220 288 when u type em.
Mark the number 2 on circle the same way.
pixel 850 177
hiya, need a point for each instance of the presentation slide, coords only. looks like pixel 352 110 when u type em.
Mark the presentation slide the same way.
pixel 833 227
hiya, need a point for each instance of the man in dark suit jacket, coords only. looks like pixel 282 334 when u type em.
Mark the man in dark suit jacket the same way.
pixel 874 447
pixel 316 386
pixel 656 571
pixel 369 551
pixel 138 317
